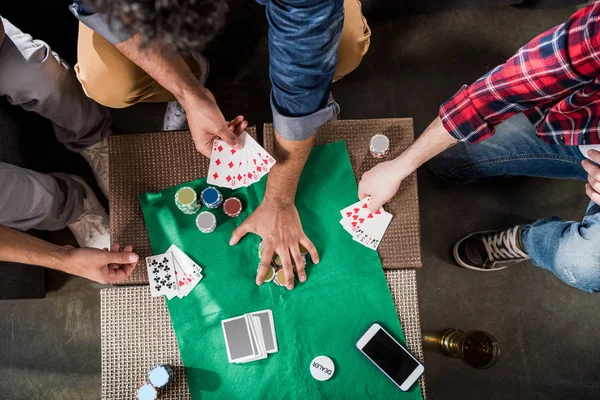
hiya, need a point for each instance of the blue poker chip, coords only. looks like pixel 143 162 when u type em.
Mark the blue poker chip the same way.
pixel 211 197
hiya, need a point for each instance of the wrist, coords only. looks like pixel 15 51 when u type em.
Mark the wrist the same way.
pixel 59 258
pixel 404 166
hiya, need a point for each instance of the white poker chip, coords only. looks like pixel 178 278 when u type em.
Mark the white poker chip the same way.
pixel 322 368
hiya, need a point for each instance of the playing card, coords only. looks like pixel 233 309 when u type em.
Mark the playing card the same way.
pixel 355 215
pixel 219 160
pixel 238 340
pixel 371 232
pixel 234 168
pixel 187 272
pixel 161 274
pixel 258 344
pixel 268 329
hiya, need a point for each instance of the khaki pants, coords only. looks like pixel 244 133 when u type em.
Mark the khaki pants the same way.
pixel 111 79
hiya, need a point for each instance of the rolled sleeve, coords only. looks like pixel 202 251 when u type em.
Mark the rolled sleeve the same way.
pixel 114 30
pixel 301 128
pixel 462 120
pixel 304 36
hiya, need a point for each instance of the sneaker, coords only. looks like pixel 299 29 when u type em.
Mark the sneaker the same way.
pixel 175 118
pixel 490 250
pixel 97 156
pixel 91 229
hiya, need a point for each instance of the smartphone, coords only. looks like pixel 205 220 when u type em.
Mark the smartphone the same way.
pixel 390 357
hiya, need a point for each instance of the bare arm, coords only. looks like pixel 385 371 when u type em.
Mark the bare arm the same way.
pixel 284 176
pixel 171 71
pixel 382 181
pixel 276 220
pixel 97 265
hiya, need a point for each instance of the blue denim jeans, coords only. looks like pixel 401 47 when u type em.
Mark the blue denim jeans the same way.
pixel 569 249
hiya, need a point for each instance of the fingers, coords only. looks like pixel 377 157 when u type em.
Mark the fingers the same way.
pixel 299 262
pixel 310 247
pixel 265 263
pixel 594 155
pixel 362 192
pixel 376 203
pixel 592 194
pixel 121 258
pixel 230 138
pixel 238 125
pixel 288 270
pixel 594 184
pixel 591 169
pixel 239 233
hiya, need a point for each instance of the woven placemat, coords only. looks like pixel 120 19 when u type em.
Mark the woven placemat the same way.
pixel 401 245
pixel 141 163
pixel 137 334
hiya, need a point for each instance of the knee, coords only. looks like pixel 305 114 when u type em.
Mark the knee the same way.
pixel 355 40
pixel 104 88
pixel 577 260
pixel 445 166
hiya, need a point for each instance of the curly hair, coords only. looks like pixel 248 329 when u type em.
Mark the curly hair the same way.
pixel 186 24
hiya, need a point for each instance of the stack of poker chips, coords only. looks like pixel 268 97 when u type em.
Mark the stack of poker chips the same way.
pixel 379 146
pixel 187 200
pixel 275 272
pixel 206 222
pixel 232 207
pixel 211 197
pixel 158 377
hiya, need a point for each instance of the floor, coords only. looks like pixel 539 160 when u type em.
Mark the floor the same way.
pixel 50 348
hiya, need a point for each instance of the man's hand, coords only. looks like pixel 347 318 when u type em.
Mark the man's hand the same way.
pixel 381 183
pixel 279 227
pixel 207 122
pixel 102 266
pixel 592 188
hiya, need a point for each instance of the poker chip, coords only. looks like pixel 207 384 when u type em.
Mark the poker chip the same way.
pixel 379 146
pixel 160 375
pixel 322 368
pixel 260 250
pixel 206 222
pixel 277 261
pixel 279 278
pixel 211 197
pixel 232 207
pixel 186 200
pixel 146 392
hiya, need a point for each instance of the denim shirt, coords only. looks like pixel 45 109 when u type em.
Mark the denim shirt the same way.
pixel 303 50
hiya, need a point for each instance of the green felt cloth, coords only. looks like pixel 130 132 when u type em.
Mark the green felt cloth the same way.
pixel 326 315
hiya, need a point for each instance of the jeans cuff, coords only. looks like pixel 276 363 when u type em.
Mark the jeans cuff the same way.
pixel 301 128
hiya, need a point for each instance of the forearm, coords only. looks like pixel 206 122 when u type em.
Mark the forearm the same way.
pixel 434 140
pixel 164 64
pixel 283 178
pixel 16 246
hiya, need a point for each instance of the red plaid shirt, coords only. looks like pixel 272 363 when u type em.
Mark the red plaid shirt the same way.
pixel 553 80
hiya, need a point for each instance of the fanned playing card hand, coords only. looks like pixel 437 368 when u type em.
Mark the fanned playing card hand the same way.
pixel 172 273
pixel 366 227
pixel 233 168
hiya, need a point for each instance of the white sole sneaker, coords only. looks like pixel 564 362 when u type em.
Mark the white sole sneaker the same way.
pixel 97 156
pixel 91 229
pixel 175 118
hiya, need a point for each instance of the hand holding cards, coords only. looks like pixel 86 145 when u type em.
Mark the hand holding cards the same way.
pixel 366 227
pixel 250 337
pixel 232 168
pixel 172 273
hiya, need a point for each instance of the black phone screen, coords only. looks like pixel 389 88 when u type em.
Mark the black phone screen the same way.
pixel 390 357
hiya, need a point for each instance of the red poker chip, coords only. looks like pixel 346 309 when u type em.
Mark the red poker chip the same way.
pixel 232 207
